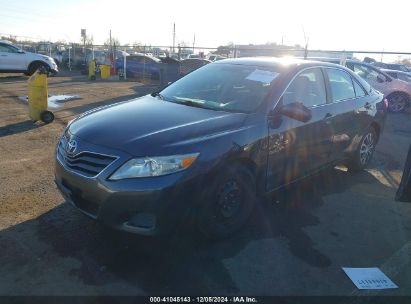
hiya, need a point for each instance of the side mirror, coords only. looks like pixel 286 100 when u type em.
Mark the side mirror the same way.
pixel 381 78
pixel 297 111
pixel 21 52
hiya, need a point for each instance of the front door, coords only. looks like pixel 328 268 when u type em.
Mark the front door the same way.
pixel 296 148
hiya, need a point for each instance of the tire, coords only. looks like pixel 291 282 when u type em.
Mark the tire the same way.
pixel 365 151
pixel 37 65
pixel 228 205
pixel 398 102
pixel 47 117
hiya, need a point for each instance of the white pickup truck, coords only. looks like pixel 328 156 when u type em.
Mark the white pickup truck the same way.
pixel 15 60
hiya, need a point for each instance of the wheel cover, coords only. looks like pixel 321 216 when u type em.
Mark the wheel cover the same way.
pixel 229 201
pixel 367 148
pixel 397 103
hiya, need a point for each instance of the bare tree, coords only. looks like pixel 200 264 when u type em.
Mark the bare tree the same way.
pixel 114 40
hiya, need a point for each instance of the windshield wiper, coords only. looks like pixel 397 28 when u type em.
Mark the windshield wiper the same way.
pixel 192 103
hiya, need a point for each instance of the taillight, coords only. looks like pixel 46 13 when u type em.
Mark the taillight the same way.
pixel 385 103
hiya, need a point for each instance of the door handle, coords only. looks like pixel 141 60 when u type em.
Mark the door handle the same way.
pixel 3 55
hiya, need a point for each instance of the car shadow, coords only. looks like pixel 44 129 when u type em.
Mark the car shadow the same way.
pixel 19 127
pixel 186 262
pixel 13 78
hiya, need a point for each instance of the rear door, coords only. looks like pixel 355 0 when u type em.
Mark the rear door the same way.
pixel 349 103
pixel 296 148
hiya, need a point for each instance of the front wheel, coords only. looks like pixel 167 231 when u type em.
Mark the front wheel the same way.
pixel 39 66
pixel 365 151
pixel 229 203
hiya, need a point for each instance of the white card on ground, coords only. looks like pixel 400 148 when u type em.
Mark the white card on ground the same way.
pixel 262 76
pixel 369 278
pixel 55 101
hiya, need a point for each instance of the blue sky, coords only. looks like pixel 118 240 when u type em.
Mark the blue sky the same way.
pixel 329 24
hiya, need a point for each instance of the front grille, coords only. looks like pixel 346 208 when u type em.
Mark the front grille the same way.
pixel 85 163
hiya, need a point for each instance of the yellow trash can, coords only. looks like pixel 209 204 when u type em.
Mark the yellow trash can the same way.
pixel 38 97
pixel 105 71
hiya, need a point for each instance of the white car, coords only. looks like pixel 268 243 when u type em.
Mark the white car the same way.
pixel 15 60
pixel 398 92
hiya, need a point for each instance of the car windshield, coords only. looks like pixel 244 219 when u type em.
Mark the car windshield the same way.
pixel 225 87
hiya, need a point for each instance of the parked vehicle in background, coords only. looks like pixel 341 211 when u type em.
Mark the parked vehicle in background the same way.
pixel 213 141
pixel 28 48
pixel 53 50
pixel 398 75
pixel 77 57
pixel 193 56
pixel 140 66
pixel 189 65
pixel 392 66
pixel 213 57
pixel 16 60
pixel 398 92
pixel 169 60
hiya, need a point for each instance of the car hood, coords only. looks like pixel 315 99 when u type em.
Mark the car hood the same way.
pixel 150 126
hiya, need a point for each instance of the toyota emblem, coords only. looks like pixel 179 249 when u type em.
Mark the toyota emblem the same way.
pixel 71 147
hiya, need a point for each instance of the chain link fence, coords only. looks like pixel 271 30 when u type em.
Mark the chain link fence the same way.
pixel 168 63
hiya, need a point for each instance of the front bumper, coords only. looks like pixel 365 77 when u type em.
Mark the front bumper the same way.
pixel 146 206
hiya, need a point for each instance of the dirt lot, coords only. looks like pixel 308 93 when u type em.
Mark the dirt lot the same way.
pixel 333 220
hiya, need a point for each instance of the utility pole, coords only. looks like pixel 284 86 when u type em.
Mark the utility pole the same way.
pixel 194 42
pixel 110 40
pixel 174 37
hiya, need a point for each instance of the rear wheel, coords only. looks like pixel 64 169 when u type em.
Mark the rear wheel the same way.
pixel 365 151
pixel 228 205
pixel 397 102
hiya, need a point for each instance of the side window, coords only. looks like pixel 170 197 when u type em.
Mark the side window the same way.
pixel 340 84
pixel 365 72
pixel 393 74
pixel 7 48
pixel 359 91
pixel 308 87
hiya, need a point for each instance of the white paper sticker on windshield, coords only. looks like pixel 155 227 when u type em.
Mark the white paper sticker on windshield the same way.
pixel 262 76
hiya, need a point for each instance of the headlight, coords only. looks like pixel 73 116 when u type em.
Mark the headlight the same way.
pixel 154 166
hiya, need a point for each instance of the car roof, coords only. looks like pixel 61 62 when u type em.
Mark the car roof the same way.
pixel 395 71
pixel 277 62
pixel 6 42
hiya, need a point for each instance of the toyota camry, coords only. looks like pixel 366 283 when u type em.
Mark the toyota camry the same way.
pixel 209 144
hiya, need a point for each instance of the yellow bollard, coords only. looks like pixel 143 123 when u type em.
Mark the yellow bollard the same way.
pixel 38 98
pixel 92 70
